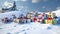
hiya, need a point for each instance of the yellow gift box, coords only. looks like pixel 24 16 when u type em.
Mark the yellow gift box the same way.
pixel 48 21
pixel 16 20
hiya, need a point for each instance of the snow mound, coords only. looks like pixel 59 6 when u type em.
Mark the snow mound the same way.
pixel 57 13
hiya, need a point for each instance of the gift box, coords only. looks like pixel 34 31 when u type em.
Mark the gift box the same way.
pixel 16 20
pixel 48 21
pixel 50 15
pixel 39 20
pixel 54 21
pixel 34 19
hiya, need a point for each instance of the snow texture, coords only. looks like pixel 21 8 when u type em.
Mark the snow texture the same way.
pixel 30 28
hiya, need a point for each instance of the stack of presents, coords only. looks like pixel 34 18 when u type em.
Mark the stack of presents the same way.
pixel 33 16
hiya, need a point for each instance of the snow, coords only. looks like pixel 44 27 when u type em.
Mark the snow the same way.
pixel 17 13
pixel 29 28
pixel 57 13
pixel 32 28
pixel 8 14
pixel 8 4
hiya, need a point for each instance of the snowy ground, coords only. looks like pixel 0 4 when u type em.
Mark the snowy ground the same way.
pixel 32 28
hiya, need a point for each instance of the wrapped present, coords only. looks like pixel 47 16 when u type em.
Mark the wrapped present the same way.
pixel 45 16
pixel 48 21
pixel 39 20
pixel 24 21
pixel 43 21
pixel 28 16
pixel 20 20
pixel 34 19
pixel 54 21
pixel 50 15
pixel 29 20
pixel 6 20
pixel 16 20
pixel 40 15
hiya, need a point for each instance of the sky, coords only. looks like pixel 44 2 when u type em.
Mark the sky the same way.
pixel 35 5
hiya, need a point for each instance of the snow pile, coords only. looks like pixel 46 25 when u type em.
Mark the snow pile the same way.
pixel 17 13
pixel 9 14
pixel 57 13
pixel 32 28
